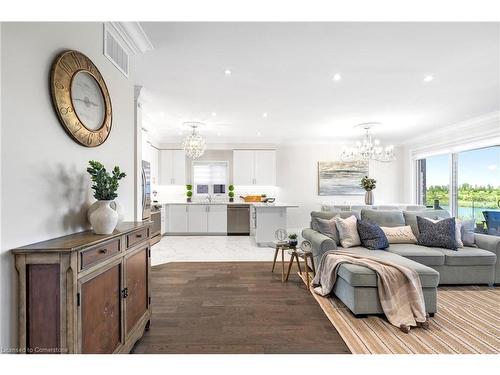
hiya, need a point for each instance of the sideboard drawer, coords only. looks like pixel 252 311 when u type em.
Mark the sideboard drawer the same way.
pixel 93 256
pixel 137 236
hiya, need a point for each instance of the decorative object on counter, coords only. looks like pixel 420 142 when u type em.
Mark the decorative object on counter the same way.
pixel 252 198
pixel 194 144
pixel 368 148
pixel 104 218
pixel 263 197
pixel 231 193
pixel 281 235
pixel 341 178
pixel 368 184
pixel 189 192
pixel 269 200
pixel 81 98
pixel 292 239
pixel 114 205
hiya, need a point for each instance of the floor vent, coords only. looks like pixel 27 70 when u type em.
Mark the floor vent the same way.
pixel 114 51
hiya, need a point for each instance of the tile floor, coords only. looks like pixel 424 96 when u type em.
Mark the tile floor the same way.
pixel 209 248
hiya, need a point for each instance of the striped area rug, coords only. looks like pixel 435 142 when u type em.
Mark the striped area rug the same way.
pixel 467 322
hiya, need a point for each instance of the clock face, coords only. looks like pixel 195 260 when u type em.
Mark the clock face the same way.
pixel 81 98
pixel 88 100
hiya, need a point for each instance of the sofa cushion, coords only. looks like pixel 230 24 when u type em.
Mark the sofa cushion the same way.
pixel 371 235
pixel 329 214
pixel 468 256
pixel 348 231
pixel 359 276
pixel 328 227
pixel 421 254
pixel 387 218
pixel 411 217
pixel 437 233
pixel 402 234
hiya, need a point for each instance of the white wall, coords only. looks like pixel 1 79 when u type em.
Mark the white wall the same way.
pixel 45 188
pixel 297 178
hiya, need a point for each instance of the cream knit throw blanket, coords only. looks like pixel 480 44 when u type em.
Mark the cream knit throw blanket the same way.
pixel 399 288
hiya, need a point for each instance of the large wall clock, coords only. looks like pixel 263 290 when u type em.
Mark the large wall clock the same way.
pixel 81 98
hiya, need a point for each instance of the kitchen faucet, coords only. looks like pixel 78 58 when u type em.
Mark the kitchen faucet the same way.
pixel 209 198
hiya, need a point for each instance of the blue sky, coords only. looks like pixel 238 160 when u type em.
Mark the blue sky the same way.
pixel 476 167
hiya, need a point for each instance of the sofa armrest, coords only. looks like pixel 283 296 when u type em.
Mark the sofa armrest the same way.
pixel 490 243
pixel 320 243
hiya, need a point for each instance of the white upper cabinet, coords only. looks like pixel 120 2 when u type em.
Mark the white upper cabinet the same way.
pixel 172 167
pixel 254 167
pixel 265 167
pixel 243 167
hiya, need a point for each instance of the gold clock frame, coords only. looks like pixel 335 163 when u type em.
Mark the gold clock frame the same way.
pixel 64 69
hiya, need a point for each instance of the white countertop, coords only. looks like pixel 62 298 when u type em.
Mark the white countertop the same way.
pixel 240 203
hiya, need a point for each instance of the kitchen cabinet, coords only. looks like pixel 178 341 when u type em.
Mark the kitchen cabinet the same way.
pixel 172 167
pixel 177 219
pixel 254 167
pixel 197 218
pixel 267 220
pixel 217 218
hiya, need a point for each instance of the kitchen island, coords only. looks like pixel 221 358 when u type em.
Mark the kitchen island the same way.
pixel 211 218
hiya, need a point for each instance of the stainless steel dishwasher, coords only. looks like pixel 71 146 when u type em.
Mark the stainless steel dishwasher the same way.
pixel 238 219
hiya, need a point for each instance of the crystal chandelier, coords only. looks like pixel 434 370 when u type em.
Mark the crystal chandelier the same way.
pixel 368 148
pixel 194 145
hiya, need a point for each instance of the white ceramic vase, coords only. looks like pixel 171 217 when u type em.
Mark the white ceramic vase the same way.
pixel 114 205
pixel 103 218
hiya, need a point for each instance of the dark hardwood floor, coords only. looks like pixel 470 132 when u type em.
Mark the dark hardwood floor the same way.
pixel 234 307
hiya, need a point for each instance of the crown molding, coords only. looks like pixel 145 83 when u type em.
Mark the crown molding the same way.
pixel 133 35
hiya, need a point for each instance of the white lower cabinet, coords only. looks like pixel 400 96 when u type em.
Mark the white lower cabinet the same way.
pixel 177 218
pixel 267 221
pixel 197 218
pixel 217 218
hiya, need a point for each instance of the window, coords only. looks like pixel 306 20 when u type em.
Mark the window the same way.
pixel 478 181
pixel 474 193
pixel 210 177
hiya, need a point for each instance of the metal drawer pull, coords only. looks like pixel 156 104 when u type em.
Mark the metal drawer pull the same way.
pixel 103 251
pixel 125 292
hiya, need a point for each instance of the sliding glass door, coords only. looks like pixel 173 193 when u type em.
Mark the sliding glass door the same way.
pixel 466 183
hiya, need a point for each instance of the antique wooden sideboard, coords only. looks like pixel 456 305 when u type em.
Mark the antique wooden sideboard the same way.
pixel 85 293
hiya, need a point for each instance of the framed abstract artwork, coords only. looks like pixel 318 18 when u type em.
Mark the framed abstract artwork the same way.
pixel 341 178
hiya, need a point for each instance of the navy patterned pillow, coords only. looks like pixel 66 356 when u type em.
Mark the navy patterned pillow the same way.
pixel 372 236
pixel 438 234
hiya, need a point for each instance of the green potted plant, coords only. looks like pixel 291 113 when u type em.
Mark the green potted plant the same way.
pixel 189 192
pixel 368 184
pixel 292 239
pixel 231 193
pixel 102 216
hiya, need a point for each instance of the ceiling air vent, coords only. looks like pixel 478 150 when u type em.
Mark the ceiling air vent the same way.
pixel 114 51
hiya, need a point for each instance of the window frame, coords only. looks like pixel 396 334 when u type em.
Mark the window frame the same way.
pixel 210 186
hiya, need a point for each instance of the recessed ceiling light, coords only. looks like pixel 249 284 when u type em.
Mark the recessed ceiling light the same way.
pixel 259 134
pixel 264 114
pixel 214 114
pixel 428 78
pixel 227 72
pixel 337 77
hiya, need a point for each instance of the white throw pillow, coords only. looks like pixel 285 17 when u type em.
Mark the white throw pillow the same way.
pixel 458 230
pixel 399 234
pixel 348 231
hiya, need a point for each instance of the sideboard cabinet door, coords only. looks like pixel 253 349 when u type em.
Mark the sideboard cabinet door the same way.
pixel 136 284
pixel 100 309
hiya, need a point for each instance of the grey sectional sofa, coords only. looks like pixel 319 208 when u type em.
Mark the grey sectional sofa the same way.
pixel 356 285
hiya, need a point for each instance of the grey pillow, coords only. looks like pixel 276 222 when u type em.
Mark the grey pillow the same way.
pixel 327 227
pixel 467 231
pixel 438 234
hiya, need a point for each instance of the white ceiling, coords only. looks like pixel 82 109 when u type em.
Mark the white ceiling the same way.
pixel 287 69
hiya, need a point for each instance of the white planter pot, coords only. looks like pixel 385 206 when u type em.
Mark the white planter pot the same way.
pixel 103 218
pixel 114 205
